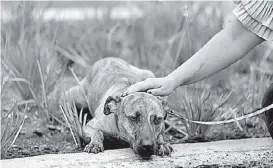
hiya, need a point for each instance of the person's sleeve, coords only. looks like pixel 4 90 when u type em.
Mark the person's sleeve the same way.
pixel 257 17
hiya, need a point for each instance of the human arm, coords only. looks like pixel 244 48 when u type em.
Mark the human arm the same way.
pixel 225 48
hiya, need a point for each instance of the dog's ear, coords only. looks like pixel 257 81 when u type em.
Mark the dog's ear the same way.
pixel 111 104
pixel 165 105
pixel 166 108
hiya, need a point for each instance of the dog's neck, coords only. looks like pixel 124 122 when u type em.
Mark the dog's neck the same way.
pixel 119 86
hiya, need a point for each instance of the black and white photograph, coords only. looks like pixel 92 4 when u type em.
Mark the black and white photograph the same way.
pixel 137 84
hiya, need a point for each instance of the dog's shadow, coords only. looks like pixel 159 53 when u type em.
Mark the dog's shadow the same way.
pixel 114 143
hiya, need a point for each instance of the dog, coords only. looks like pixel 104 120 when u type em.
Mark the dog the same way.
pixel 137 118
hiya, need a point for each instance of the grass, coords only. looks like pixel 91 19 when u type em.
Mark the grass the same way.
pixel 28 61
pixel 74 120
pixel 11 125
pixel 202 107
pixel 36 55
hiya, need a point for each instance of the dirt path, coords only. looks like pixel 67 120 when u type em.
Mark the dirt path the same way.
pixel 229 153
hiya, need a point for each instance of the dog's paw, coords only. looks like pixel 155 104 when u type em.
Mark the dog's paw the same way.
pixel 164 149
pixel 94 148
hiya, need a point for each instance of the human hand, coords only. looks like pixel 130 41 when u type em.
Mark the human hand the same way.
pixel 155 86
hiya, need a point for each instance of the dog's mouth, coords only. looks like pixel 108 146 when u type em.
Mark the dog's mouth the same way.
pixel 146 153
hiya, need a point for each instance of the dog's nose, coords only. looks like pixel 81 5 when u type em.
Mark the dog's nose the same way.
pixel 148 148
pixel 147 145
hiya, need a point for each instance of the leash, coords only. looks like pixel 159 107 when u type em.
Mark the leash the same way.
pixel 256 112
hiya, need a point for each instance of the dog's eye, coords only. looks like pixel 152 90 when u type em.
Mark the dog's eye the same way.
pixel 158 120
pixel 134 118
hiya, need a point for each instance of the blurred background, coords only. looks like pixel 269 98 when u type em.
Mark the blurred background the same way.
pixel 42 41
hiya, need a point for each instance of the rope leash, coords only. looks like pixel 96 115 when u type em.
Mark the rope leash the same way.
pixel 257 112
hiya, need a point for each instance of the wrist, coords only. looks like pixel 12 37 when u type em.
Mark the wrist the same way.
pixel 172 82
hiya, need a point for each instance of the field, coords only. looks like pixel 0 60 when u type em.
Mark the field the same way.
pixel 37 57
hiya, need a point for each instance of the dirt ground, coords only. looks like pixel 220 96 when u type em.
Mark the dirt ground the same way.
pixel 241 153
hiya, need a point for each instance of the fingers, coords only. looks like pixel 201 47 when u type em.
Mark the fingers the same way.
pixel 157 92
pixel 140 86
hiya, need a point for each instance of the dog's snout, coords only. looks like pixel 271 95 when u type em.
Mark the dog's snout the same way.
pixel 146 148
pixel 146 144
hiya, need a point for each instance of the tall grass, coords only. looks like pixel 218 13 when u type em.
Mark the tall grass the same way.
pixel 200 105
pixel 74 121
pixel 11 125
pixel 29 58
pixel 259 79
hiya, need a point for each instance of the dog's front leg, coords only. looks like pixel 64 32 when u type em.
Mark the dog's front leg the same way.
pixel 163 148
pixel 96 137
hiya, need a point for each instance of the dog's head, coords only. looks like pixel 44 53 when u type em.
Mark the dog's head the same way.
pixel 140 119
